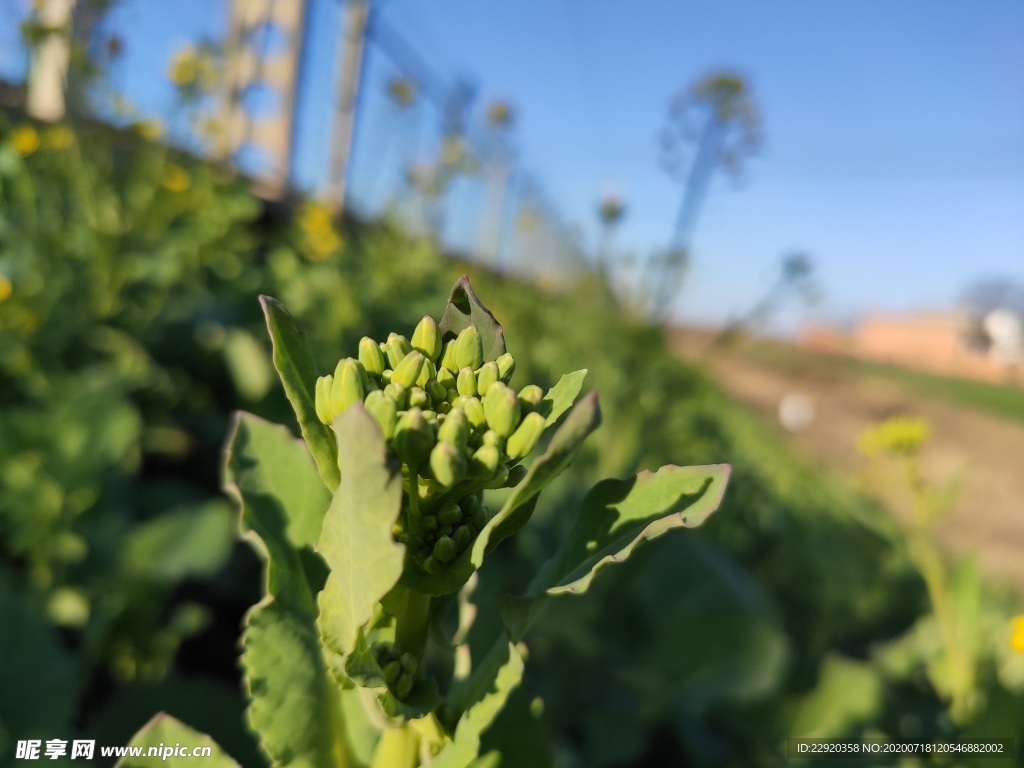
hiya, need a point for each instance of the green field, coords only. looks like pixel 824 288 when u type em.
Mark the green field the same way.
pixel 1002 400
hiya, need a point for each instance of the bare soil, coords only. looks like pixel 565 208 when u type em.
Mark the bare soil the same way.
pixel 982 453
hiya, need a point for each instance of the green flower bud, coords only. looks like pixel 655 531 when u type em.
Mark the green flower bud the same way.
pixel 452 397
pixel 443 407
pixel 431 566
pixel 455 429
pixel 493 438
pixel 444 530
pixel 448 357
pixel 409 663
pixel 427 372
pixel 397 348
pixel 371 357
pixel 475 412
pixel 448 464
pixel 418 398
pixel 385 378
pixel 349 385
pixel 372 386
pixel 403 686
pixel 521 441
pixel 469 349
pixel 480 517
pixel 384 410
pixel 397 393
pixel 322 401
pixel 446 378
pixel 427 338
pixel 392 670
pixel 506 367
pixel 499 478
pixel 414 437
pixel 501 407
pixel 408 370
pixel 428 523
pixel 431 416
pixel 445 550
pixel 449 514
pixel 515 476
pixel 437 392
pixel 469 504
pixel 462 537
pixel 467 382
pixel 487 375
pixel 484 462
pixel 530 397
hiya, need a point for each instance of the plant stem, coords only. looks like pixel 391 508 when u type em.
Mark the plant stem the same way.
pixel 413 626
pixel 397 748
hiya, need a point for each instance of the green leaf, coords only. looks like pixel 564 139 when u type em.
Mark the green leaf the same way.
pixel 298 373
pixel 294 704
pixel 40 682
pixel 560 397
pixel 356 540
pixel 519 505
pixel 162 734
pixel 584 418
pixel 274 480
pixel 478 699
pixel 189 542
pixel 614 518
pixel 465 309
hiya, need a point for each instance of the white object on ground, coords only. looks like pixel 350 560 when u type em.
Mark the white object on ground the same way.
pixel 796 412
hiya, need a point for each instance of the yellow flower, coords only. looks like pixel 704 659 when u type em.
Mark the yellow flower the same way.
pixel 58 137
pixel 6 288
pixel 176 178
pixel 318 230
pixel 1017 633
pixel 25 140
pixel 150 129
pixel 902 435
pixel 183 67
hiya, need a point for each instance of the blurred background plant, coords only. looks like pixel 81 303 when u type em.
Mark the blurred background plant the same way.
pixel 130 330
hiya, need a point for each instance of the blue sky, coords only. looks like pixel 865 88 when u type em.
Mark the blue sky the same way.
pixel 894 130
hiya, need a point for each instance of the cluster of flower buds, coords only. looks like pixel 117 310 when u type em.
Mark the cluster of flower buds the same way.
pixel 451 419
pixel 399 667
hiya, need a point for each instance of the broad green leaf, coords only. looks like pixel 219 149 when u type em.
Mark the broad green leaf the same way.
pixel 464 309
pixel 162 735
pixel 519 505
pixel 477 701
pixel 298 373
pixel 274 480
pixel 190 542
pixel 294 704
pixel 40 681
pixel 583 419
pixel 560 397
pixel 356 539
pixel 614 518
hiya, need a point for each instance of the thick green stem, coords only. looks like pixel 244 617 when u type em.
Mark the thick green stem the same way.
pixel 413 626
pixel 397 748
pixel 414 500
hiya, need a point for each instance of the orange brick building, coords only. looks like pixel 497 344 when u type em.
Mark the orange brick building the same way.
pixel 935 341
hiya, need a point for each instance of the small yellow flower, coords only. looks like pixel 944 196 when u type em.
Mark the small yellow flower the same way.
pixel 318 230
pixel 6 288
pixel 25 139
pixel 1017 633
pixel 183 67
pixel 58 137
pixel 176 178
pixel 150 129
pixel 902 435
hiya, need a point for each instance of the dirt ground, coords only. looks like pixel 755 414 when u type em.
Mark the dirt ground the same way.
pixel 985 454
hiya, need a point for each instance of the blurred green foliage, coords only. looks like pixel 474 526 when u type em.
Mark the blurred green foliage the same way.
pixel 130 330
